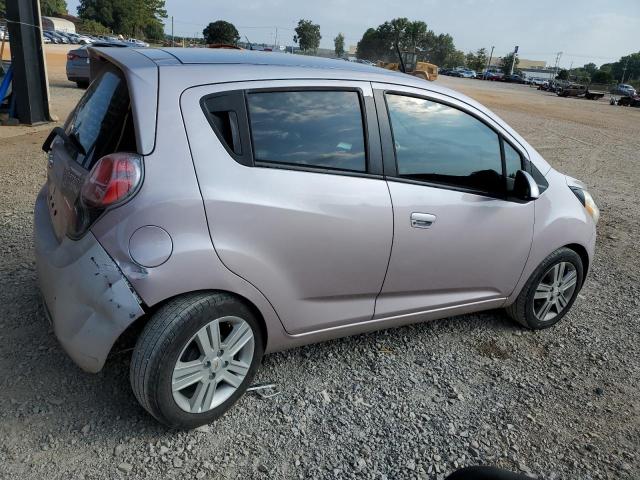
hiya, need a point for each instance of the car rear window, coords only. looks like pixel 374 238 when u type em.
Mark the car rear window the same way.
pixel 102 121
pixel 308 128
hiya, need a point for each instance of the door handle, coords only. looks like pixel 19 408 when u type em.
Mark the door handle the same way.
pixel 422 220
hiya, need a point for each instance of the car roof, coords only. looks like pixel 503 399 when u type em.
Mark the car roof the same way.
pixel 223 56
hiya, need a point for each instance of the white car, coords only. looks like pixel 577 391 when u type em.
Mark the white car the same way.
pixel 137 43
pixel 83 39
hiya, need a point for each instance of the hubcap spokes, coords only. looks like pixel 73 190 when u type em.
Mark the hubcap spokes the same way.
pixel 554 291
pixel 212 364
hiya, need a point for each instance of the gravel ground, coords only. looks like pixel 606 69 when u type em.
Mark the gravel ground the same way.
pixel 415 402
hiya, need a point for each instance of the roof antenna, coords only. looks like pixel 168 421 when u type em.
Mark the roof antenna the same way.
pixel 402 67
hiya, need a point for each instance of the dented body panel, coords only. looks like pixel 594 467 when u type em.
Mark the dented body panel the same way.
pixel 88 300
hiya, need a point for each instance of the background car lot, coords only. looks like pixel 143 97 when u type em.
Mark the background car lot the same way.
pixel 405 403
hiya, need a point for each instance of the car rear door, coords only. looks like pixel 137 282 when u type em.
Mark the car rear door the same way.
pixel 459 239
pixel 291 177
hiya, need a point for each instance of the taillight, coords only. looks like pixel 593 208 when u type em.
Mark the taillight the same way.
pixel 113 179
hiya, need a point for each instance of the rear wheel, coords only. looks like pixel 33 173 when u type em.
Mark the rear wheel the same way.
pixel 550 291
pixel 82 84
pixel 195 358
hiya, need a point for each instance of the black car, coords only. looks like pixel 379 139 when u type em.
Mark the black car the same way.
pixel 513 79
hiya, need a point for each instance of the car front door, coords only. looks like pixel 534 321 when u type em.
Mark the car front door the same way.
pixel 291 177
pixel 459 239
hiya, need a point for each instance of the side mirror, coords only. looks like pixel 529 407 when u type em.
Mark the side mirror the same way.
pixel 525 187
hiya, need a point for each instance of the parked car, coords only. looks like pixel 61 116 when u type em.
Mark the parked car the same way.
pixel 77 66
pixel 52 38
pixel 494 76
pixel 468 73
pixel 513 79
pixel 137 43
pixel 537 81
pixel 624 89
pixel 68 36
pixel 55 35
pixel 81 39
pixel 297 217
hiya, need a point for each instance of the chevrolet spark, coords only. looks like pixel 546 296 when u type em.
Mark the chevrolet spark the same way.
pixel 227 204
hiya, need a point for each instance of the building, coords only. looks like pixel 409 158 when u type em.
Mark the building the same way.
pixel 58 24
pixel 523 64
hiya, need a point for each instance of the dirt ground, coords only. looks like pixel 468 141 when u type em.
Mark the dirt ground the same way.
pixel 415 402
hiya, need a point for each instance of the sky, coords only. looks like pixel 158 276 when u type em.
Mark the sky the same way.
pixel 598 31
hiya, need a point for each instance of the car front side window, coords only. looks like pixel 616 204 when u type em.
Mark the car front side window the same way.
pixel 440 144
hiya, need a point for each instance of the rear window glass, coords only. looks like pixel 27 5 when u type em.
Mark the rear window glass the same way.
pixel 102 121
pixel 308 128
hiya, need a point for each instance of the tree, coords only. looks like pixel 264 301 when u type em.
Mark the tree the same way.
pixel 3 8
pixel 632 70
pixel 479 62
pixel 52 8
pixel 410 36
pixel 590 68
pixel 470 59
pixel 601 76
pixel 339 45
pixel 371 46
pixel 92 27
pixel 455 58
pixel 507 60
pixel 128 17
pixel 563 74
pixel 307 35
pixel 221 32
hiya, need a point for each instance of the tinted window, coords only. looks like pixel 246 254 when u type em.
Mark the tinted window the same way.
pixel 513 163
pixel 308 128
pixel 438 143
pixel 101 122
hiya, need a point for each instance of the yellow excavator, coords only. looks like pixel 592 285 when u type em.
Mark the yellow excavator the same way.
pixel 409 64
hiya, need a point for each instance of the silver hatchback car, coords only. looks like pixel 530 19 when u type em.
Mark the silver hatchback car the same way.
pixel 227 204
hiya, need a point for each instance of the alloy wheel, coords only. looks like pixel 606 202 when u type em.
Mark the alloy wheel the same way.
pixel 212 364
pixel 555 290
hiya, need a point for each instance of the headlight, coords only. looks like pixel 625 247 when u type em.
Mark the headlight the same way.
pixel 587 201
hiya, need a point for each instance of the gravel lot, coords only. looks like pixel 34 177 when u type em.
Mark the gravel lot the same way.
pixel 414 402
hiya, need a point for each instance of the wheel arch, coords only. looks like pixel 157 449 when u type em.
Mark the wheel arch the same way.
pixel 584 256
pixel 129 336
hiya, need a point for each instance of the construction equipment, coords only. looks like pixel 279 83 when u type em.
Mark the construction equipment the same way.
pixel 409 64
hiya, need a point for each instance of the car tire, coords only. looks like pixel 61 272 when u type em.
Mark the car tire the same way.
pixel 172 341
pixel 82 84
pixel 531 303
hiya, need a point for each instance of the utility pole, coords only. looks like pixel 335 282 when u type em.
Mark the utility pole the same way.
pixel 570 68
pixel 513 60
pixel 555 68
pixel 275 41
pixel 172 38
pixel 488 62
pixel 624 70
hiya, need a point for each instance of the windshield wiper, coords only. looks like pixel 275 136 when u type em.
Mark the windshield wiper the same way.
pixel 71 139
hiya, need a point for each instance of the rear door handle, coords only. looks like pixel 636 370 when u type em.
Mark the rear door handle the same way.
pixel 422 220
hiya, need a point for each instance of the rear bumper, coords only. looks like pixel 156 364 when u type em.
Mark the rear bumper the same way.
pixel 78 73
pixel 88 300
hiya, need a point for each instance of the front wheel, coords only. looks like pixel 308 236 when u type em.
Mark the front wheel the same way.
pixel 550 291
pixel 195 358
